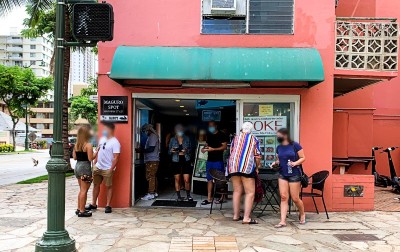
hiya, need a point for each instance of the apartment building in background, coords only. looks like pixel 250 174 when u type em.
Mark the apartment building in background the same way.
pixel 34 53
pixel 83 67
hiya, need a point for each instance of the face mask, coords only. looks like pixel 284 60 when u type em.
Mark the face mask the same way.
pixel 179 133
pixel 280 139
pixel 211 129
pixel 105 133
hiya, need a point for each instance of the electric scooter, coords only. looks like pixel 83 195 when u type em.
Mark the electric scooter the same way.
pixel 395 181
pixel 380 180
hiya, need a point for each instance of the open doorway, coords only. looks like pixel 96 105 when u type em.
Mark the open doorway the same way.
pixel 164 115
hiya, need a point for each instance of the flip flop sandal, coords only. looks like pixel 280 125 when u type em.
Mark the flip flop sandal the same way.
pixel 240 218
pixel 219 201
pixel 302 222
pixel 280 226
pixel 205 202
pixel 252 221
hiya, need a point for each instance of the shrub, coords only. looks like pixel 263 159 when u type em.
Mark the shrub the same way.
pixel 6 148
pixel 42 144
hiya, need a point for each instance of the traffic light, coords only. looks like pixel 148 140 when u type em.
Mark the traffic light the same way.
pixel 92 22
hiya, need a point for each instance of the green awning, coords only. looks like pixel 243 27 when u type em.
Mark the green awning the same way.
pixel 219 64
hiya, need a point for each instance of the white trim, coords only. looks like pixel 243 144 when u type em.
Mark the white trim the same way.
pixel 255 97
pixel 133 120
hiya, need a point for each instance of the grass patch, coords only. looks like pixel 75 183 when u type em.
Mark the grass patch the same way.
pixel 40 179
pixel 17 152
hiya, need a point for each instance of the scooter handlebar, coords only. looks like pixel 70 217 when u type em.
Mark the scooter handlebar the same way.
pixel 377 148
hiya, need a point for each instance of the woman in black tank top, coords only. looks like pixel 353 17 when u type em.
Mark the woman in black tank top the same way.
pixel 83 154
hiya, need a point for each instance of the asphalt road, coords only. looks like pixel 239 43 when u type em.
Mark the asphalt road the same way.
pixel 18 167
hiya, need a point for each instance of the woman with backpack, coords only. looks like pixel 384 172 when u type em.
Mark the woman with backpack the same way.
pixel 243 165
pixel 289 157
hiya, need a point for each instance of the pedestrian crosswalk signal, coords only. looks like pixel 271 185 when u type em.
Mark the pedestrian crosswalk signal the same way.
pixel 92 22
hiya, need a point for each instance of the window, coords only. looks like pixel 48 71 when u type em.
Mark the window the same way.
pixel 248 17
pixel 33 55
pixel 33 39
pixel 33 47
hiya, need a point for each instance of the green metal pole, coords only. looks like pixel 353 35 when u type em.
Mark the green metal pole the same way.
pixel 26 128
pixel 56 238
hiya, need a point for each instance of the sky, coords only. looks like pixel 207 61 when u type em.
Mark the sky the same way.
pixel 12 19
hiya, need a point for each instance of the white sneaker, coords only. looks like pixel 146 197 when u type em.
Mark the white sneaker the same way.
pixel 148 196
pixel 155 195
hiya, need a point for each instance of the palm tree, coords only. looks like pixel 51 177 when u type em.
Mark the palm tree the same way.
pixel 42 22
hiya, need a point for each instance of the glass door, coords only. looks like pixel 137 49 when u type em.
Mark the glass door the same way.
pixel 268 117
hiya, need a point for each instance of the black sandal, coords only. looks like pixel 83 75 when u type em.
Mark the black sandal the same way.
pixel 85 214
pixel 90 207
pixel 205 202
pixel 240 218
pixel 189 198
pixel 252 221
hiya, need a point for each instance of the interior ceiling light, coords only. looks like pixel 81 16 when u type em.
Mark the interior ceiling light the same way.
pixel 177 100
pixel 185 110
pixel 187 114
pixel 181 106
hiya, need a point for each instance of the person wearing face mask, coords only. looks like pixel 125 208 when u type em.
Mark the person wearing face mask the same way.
pixel 216 144
pixel 289 157
pixel 180 149
pixel 105 165
pixel 151 153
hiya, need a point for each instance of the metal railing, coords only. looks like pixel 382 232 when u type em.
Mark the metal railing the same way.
pixel 367 44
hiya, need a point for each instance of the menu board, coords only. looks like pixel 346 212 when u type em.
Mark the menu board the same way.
pixel 268 149
pixel 201 161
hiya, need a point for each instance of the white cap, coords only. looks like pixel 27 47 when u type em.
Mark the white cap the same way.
pixel 247 127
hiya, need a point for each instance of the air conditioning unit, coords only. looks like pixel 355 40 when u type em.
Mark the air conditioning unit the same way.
pixel 223 6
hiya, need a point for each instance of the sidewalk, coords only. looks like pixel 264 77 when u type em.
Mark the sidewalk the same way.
pixel 23 221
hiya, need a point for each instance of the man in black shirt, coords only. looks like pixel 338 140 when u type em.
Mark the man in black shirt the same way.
pixel 215 146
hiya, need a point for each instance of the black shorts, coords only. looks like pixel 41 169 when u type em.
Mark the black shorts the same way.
pixel 182 167
pixel 291 179
pixel 239 174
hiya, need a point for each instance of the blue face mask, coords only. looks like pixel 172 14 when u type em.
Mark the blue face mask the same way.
pixel 211 129
pixel 179 133
pixel 104 133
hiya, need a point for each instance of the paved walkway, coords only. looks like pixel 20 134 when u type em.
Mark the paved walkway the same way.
pixel 22 222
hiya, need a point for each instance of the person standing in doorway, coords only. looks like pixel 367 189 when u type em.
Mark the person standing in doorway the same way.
pixel 180 149
pixel 216 144
pixel 105 165
pixel 289 157
pixel 151 153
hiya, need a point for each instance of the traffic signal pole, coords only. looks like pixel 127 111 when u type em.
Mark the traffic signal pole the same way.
pixel 56 238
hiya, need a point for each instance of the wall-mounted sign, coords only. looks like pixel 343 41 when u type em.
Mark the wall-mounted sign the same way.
pixel 353 191
pixel 266 110
pixel 211 115
pixel 266 125
pixel 114 109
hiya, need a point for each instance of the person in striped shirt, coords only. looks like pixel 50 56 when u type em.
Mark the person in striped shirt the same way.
pixel 243 165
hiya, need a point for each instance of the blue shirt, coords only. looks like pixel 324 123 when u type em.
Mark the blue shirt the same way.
pixel 175 144
pixel 285 153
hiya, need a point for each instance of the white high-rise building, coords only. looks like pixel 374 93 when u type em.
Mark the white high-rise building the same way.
pixel 34 53
pixel 83 67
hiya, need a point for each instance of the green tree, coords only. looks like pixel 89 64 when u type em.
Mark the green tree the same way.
pixel 18 87
pixel 83 107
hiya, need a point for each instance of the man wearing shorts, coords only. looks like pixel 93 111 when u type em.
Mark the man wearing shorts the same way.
pixel 216 144
pixel 108 152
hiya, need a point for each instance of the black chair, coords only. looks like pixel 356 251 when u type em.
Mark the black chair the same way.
pixel 317 183
pixel 220 186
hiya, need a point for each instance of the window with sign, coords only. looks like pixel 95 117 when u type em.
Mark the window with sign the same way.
pixel 267 118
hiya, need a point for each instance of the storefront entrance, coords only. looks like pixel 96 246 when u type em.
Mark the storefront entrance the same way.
pixel 268 113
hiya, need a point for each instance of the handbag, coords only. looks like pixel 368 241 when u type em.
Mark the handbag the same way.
pixel 304 179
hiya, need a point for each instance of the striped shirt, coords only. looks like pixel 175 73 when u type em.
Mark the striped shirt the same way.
pixel 244 148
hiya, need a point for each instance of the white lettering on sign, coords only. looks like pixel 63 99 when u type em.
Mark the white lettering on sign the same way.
pixel 267 125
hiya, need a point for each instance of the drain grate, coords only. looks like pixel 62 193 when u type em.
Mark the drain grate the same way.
pixel 356 237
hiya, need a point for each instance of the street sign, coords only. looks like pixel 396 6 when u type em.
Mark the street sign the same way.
pixel 94 98
pixel 114 109
pixel 32 136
